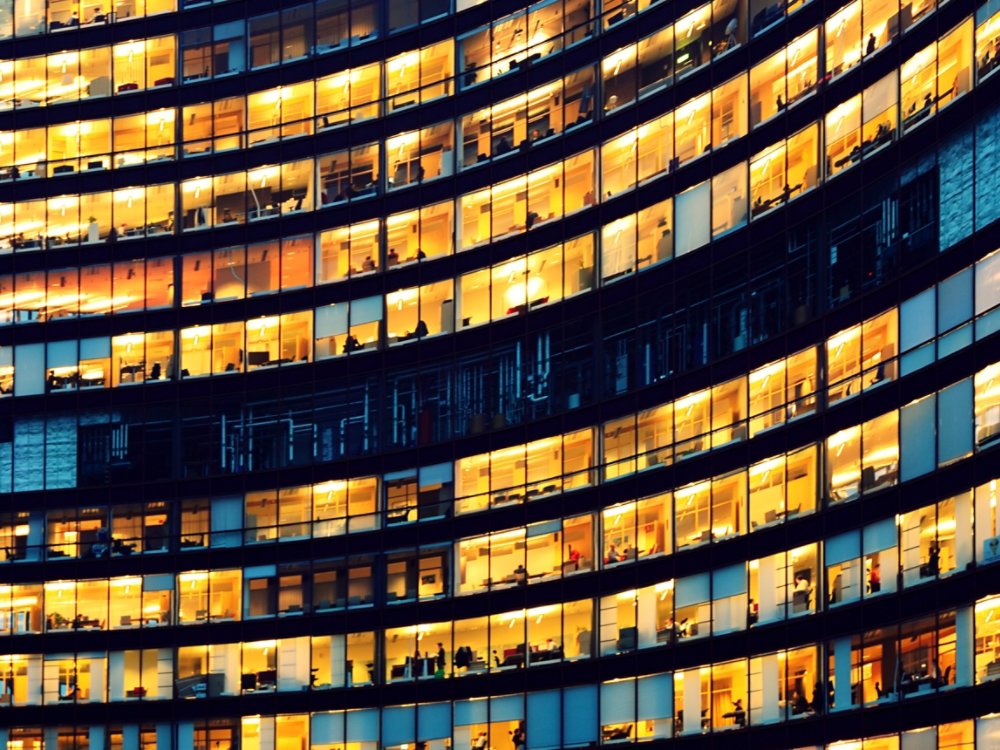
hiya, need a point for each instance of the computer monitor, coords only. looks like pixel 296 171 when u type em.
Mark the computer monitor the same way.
pixel 256 359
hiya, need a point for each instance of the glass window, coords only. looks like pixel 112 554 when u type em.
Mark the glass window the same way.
pixel 729 200
pixel 843 453
pixel 692 33
pixel 692 423
pixel 987 38
pixel 878 354
pixel 880 457
pixel 880 548
pixel 987 616
pixel 842 555
pixel 843 355
pixel 729 111
pixel 784 78
pixel 987 404
pixel 692 510
pixel 843 39
pixel 194 526
pixel 843 133
pixel 691 132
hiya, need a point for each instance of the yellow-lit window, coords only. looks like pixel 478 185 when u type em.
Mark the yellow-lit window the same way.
pixel 843 39
pixel 618 162
pixel 881 23
pixel 64 81
pixel 729 111
pixel 879 337
pixel 843 459
pixel 655 436
pixel 843 136
pixel 918 87
pixel 620 78
pixel 987 40
pixel 880 457
pixel 880 113
pixel 987 404
pixel 346 251
pixel 619 447
pixel 693 40
pixel 954 63
pixel 691 130
pixel 692 510
pixel 729 199
pixel 692 422
pixel 987 647
pixel 30 81
pixel 655 54
pixel 192 597
pixel 197 124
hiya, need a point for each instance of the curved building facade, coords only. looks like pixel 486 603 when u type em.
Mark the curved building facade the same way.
pixel 379 375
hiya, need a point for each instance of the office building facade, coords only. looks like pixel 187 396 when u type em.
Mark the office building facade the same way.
pixel 581 373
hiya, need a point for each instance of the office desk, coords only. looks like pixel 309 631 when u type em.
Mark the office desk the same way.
pixel 425 666
pixel 136 372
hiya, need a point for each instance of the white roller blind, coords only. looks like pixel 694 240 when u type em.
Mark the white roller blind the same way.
pixel 955 421
pixel 394 475
pixel 955 298
pixel 878 97
pixel 916 320
pixel 842 548
pixel 729 581
pixel 227 513
pixel 987 11
pixel 362 725
pixel 61 354
pixel 95 348
pixel 880 536
pixel 543 720
pixel 327 728
pixel 922 739
pixel 229 30
pixel 618 702
pixel 436 474
pixel 988 732
pixel 260 571
pixel 916 438
pixel 693 210
pixel 580 715
pixel 398 724
pixel 470 712
pixel 331 320
pixel 159 582
pixel 656 697
pixel 507 708
pixel 691 590
pixel 433 721
pixel 366 310
pixel 29 363
pixel 546 527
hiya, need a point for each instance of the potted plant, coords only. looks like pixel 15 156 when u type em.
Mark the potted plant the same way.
pixel 93 232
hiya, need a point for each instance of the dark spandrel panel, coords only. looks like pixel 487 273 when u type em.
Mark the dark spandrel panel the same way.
pixel 956 188
pixel 987 158
pixel 918 212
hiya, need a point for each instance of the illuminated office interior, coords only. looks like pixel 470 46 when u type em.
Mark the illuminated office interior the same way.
pixel 585 373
